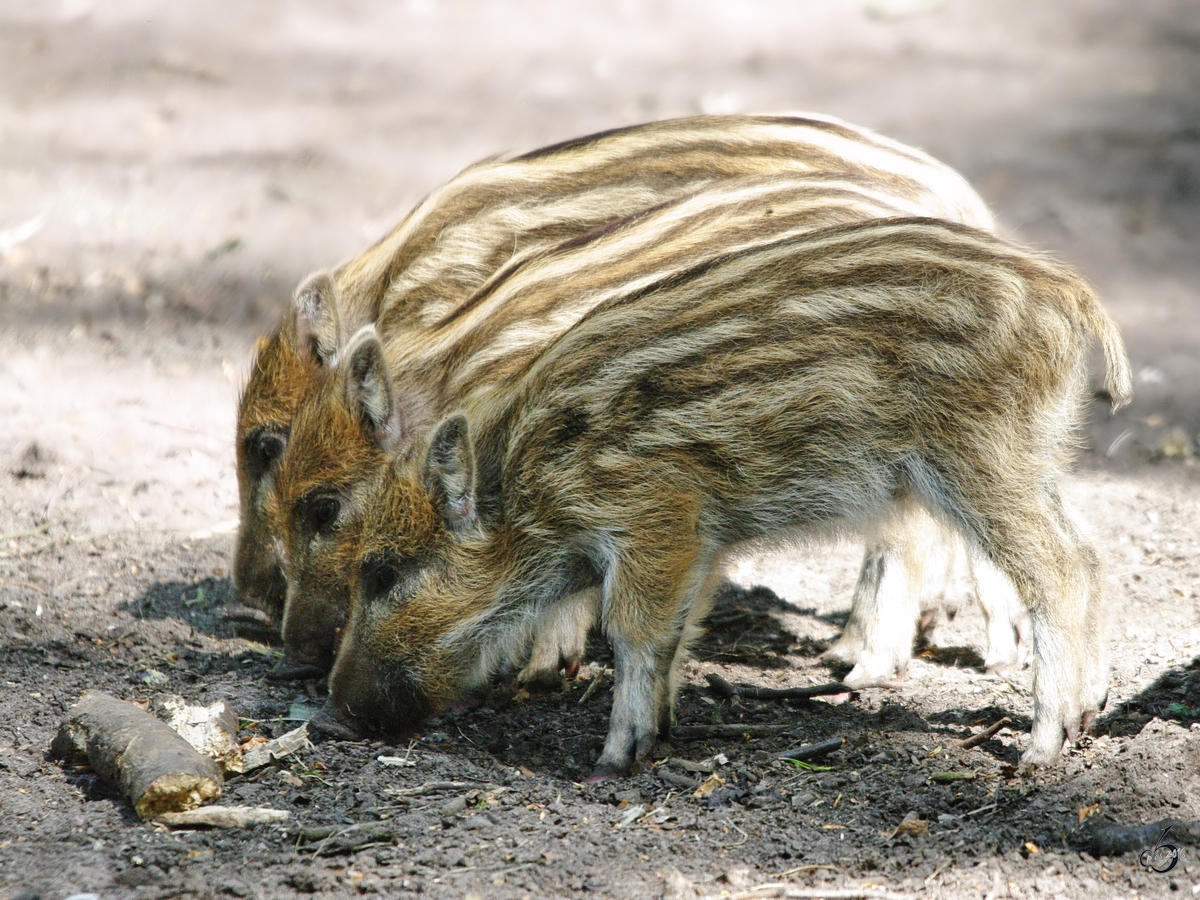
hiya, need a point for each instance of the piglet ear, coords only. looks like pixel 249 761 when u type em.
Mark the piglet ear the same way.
pixel 317 325
pixel 367 386
pixel 450 473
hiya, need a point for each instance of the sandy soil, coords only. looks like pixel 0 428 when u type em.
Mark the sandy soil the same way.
pixel 169 171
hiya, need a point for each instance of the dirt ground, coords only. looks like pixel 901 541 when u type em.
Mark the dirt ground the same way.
pixel 168 171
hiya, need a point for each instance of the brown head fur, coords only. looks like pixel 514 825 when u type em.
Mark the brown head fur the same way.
pixel 286 369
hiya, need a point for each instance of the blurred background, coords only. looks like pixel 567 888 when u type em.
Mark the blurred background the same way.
pixel 176 167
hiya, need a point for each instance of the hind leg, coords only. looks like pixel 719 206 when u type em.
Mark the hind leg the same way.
pixel 1003 612
pixel 878 638
pixel 1031 540
pixel 1097 671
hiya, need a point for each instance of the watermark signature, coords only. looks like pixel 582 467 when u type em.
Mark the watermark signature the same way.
pixel 1163 857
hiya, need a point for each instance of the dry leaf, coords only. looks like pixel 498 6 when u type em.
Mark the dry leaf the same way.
pixel 713 782
pixel 910 824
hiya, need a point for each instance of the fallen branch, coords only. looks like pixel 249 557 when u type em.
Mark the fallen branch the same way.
pixel 334 839
pixel 986 735
pixel 722 687
pixel 155 769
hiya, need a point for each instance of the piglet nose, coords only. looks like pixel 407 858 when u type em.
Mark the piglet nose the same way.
pixel 292 668
pixel 326 722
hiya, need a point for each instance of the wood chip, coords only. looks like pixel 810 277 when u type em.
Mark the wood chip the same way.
pixel 259 755
pixel 212 730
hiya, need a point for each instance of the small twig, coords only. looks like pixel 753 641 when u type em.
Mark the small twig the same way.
pixel 12 582
pixel 987 734
pixel 808 868
pixel 680 781
pixel 938 871
pixel 504 870
pixel 432 787
pixel 987 806
pixel 372 834
pixel 592 688
pixel 745 837
pixel 948 777
pixel 722 687
pixel 813 751
pixel 177 427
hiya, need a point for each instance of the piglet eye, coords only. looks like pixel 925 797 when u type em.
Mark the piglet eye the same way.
pixel 263 448
pixel 377 575
pixel 318 512
pixel 268 448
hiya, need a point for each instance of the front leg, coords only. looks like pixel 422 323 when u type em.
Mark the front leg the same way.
pixel 640 707
pixel 650 617
pixel 560 640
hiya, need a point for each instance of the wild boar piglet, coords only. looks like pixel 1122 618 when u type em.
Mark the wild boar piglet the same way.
pixel 484 218
pixel 324 479
pixel 820 383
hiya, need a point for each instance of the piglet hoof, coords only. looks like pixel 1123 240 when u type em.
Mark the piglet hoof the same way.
pixel 927 623
pixel 325 723
pixel 861 677
pixel 571 670
pixel 465 704
pixel 609 772
pixel 842 653
pixel 1006 670
pixel 1043 752
pixel 602 773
